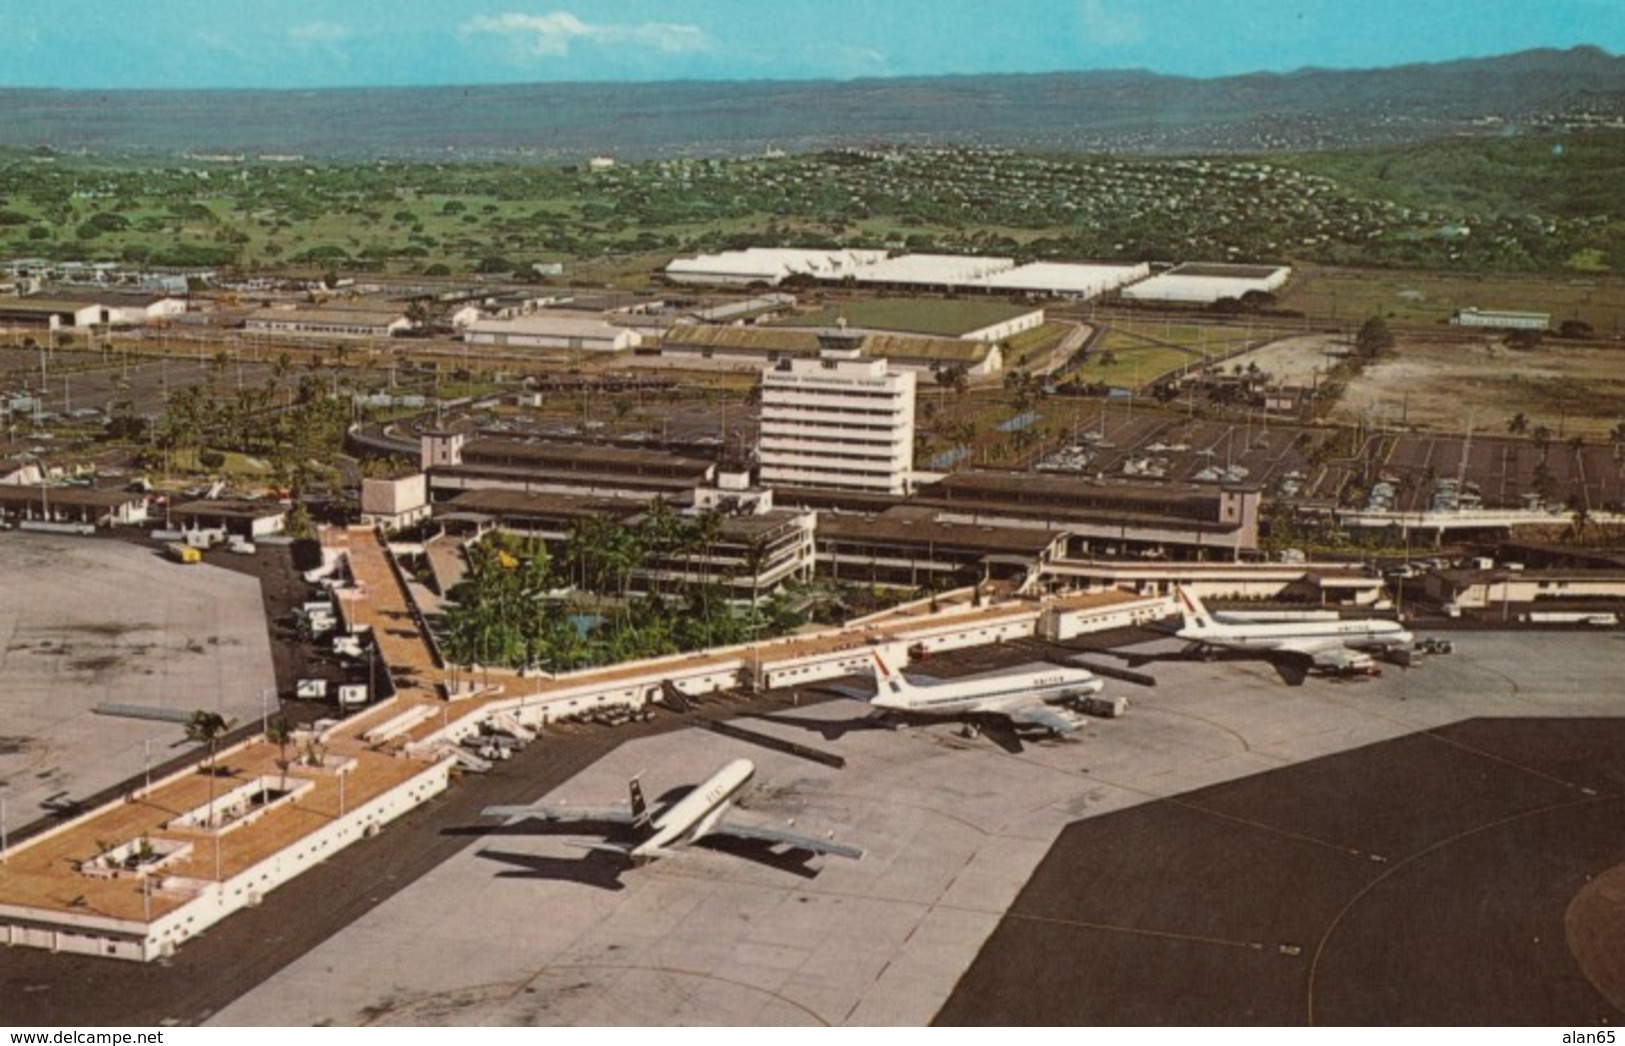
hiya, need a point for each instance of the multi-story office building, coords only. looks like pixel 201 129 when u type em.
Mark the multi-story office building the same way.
pixel 841 421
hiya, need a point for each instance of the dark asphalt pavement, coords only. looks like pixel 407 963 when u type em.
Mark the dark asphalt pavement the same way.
pixel 1420 881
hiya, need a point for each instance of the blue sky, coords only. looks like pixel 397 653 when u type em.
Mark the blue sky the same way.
pixel 323 43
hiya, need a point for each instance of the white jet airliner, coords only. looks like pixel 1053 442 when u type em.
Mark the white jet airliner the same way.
pixel 1335 644
pixel 1025 697
pixel 662 831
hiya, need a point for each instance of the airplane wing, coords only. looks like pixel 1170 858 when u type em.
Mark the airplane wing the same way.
pixel 619 849
pixel 561 814
pixel 1324 653
pixel 1046 716
pixel 778 835
pixel 856 693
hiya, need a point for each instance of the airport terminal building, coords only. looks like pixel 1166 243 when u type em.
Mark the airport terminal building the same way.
pixel 841 422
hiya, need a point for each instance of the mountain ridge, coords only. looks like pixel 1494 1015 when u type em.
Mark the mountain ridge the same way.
pixel 1118 110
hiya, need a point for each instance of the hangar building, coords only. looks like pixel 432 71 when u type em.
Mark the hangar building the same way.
pixel 1204 284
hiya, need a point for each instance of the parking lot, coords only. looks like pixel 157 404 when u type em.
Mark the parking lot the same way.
pixel 86 622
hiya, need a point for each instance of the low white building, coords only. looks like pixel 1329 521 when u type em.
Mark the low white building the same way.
pixel 1003 329
pixel 125 309
pixel 338 322
pixel 766 346
pixel 248 519
pixel 50 313
pixel 19 472
pixel 1502 319
pixel 99 508
pixel 394 502
pixel 1207 283
pixel 543 331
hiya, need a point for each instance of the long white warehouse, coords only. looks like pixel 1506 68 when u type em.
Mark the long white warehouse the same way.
pixel 940 271
pixel 1204 284
pixel 1065 279
pixel 769 265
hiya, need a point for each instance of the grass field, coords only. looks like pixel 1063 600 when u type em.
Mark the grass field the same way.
pixel 1028 347
pixel 238 465
pixel 1136 364
pixel 1351 296
pixel 1213 339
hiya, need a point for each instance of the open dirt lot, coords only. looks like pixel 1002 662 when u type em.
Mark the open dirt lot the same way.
pixel 1446 384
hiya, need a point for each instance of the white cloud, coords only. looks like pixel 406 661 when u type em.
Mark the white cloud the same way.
pixel 218 41
pixel 552 35
pixel 1110 28
pixel 318 33
pixel 321 41
pixel 852 62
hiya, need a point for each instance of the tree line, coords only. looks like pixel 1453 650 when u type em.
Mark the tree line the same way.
pixel 520 606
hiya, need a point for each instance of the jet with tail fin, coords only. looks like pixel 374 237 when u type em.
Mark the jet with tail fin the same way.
pixel 660 831
pixel 1335 645
pixel 1025 697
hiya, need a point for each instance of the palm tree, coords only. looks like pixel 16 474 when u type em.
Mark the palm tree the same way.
pixel 755 559
pixel 280 733
pixel 207 728
pixel 661 532
pixel 1543 440
pixel 708 533
pixel 1579 518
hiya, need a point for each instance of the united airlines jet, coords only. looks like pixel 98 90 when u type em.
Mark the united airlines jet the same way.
pixel 1025 697
pixel 1331 644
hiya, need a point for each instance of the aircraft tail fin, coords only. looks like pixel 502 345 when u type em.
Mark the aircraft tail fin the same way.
pixel 640 806
pixel 891 689
pixel 1193 614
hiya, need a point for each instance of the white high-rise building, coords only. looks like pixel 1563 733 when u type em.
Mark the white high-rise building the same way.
pixel 841 421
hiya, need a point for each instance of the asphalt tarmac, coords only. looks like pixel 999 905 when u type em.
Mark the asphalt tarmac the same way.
pixel 1235 850
pixel 1419 881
